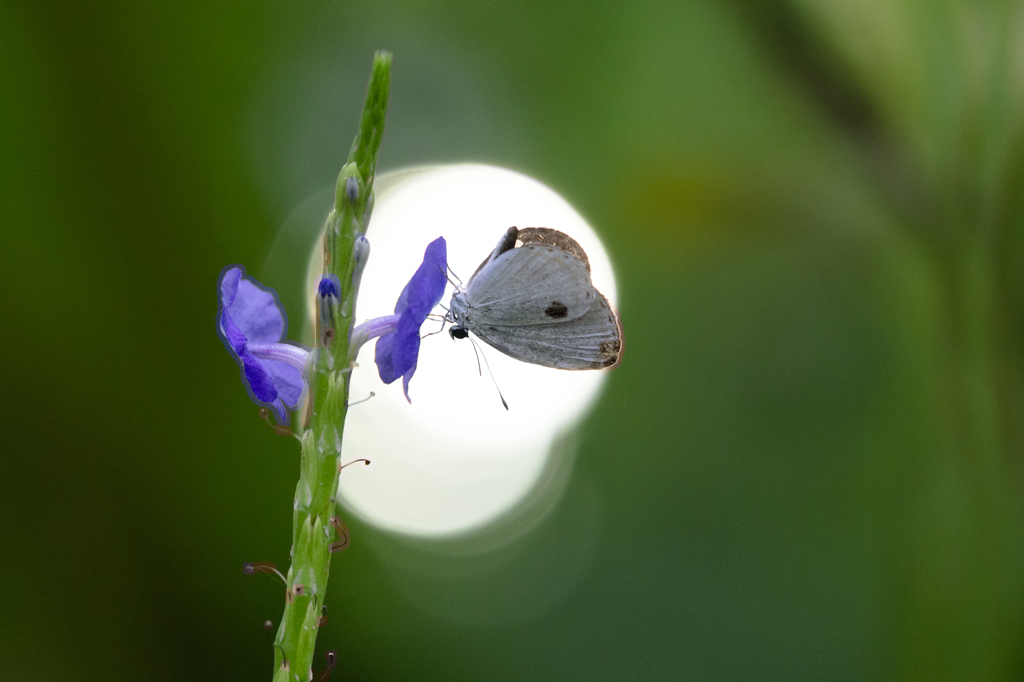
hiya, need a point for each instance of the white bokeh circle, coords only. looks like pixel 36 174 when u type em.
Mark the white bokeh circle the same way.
pixel 454 459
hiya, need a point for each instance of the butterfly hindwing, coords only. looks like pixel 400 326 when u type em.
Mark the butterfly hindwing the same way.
pixel 592 341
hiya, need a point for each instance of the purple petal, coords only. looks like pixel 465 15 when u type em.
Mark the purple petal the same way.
pixel 283 415
pixel 287 380
pixel 397 353
pixel 257 313
pixel 406 343
pixel 275 384
pixel 251 314
pixel 229 279
pixel 425 289
pixel 405 381
pixel 232 335
pixel 258 379
pixel 384 358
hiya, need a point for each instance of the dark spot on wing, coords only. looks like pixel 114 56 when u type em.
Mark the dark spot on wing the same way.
pixel 557 310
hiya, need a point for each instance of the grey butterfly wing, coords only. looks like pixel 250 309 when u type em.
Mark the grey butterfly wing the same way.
pixel 528 285
pixel 591 341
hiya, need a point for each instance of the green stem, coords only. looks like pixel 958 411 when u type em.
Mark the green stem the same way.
pixel 313 529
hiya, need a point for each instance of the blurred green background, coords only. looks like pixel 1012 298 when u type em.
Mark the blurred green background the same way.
pixel 807 468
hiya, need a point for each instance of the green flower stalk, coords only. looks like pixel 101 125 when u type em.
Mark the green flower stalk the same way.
pixel 252 324
pixel 315 529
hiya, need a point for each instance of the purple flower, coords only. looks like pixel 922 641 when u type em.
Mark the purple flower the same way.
pixel 397 351
pixel 251 322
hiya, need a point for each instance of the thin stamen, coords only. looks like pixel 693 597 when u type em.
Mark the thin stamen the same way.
pixel 363 400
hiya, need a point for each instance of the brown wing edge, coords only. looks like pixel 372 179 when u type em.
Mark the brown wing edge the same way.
pixel 619 345
pixel 550 237
pixel 610 352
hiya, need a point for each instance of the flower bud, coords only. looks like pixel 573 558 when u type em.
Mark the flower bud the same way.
pixel 328 298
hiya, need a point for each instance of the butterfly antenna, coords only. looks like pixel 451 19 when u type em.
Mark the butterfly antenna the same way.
pixel 488 365
pixel 476 353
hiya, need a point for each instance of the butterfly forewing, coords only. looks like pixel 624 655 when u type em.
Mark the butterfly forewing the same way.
pixel 529 285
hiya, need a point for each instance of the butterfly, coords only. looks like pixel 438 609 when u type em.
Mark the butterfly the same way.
pixel 533 300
